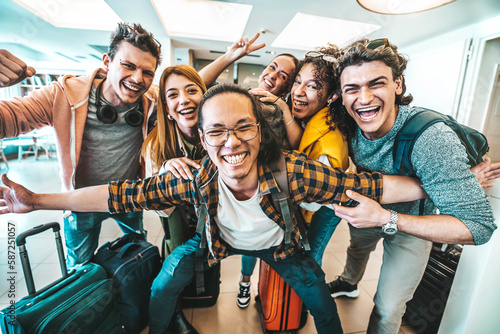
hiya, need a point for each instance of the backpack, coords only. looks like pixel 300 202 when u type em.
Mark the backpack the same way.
pixel 474 141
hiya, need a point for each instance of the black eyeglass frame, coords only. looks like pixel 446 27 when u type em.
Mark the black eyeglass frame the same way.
pixel 234 129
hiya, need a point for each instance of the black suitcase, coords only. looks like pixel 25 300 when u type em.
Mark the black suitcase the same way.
pixel 79 302
pixel 425 310
pixel 132 263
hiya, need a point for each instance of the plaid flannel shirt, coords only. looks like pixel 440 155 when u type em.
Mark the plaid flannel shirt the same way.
pixel 309 181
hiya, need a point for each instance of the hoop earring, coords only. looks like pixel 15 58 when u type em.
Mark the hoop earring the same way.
pixel 170 118
pixel 330 102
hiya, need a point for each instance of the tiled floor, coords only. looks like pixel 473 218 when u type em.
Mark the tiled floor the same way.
pixel 225 316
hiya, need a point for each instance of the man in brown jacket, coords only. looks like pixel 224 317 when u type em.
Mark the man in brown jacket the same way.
pixel 99 120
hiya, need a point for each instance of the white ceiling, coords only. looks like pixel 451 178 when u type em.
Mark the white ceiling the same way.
pixel 26 34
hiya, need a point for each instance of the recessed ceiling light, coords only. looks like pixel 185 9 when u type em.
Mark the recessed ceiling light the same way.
pixel 320 31
pixel 213 20
pixel 76 14
pixel 401 6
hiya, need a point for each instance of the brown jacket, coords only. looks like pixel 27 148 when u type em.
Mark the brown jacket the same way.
pixel 62 105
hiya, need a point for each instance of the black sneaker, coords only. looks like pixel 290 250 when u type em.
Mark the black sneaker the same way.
pixel 339 287
pixel 243 299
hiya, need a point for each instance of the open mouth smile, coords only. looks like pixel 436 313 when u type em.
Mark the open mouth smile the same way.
pixel 131 88
pixel 368 113
pixel 267 82
pixel 187 111
pixel 234 159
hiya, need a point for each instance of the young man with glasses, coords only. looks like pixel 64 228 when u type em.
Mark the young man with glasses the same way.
pixel 373 89
pixel 100 122
pixel 234 185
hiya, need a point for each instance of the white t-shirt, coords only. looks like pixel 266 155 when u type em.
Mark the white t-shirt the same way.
pixel 243 224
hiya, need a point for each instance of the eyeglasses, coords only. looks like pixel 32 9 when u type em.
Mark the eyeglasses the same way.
pixel 217 137
pixel 376 43
pixel 315 54
pixel 157 43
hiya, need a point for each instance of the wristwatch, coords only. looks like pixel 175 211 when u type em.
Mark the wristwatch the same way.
pixel 392 226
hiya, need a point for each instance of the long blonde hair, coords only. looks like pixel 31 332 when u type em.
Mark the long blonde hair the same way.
pixel 161 143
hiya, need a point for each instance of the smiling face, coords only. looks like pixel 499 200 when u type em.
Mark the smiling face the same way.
pixel 236 160
pixel 308 95
pixel 130 74
pixel 275 76
pixel 182 98
pixel 369 95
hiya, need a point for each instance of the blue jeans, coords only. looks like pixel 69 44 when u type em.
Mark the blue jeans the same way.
pixel 405 255
pixel 248 265
pixel 82 229
pixel 300 271
pixel 323 224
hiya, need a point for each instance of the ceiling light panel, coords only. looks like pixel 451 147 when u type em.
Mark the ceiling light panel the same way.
pixel 202 19
pixel 307 32
pixel 77 14
pixel 401 6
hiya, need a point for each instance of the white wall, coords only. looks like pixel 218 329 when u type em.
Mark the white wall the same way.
pixel 435 71
pixel 439 77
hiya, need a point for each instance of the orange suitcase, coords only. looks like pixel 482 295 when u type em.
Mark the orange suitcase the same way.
pixel 279 306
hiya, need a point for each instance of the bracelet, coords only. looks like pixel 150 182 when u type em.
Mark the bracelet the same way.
pixel 276 99
pixel 293 117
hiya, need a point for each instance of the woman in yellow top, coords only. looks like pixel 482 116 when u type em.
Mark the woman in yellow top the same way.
pixel 314 99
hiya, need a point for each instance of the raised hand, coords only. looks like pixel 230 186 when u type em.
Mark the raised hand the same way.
pixel 14 198
pixel 244 46
pixel 12 69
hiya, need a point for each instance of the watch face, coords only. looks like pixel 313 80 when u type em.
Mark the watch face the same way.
pixel 390 229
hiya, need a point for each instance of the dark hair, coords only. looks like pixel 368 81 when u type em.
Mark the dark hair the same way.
pixel 288 85
pixel 341 118
pixel 138 37
pixel 324 73
pixel 270 148
pixel 357 53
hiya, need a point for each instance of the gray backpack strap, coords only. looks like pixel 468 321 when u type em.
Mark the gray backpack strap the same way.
pixel 202 213
pixel 285 207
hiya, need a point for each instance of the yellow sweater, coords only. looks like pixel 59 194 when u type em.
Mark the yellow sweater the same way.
pixel 318 139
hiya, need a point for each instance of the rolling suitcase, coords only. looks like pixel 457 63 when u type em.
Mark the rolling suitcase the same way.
pixel 132 263
pixel 425 310
pixel 79 302
pixel 280 308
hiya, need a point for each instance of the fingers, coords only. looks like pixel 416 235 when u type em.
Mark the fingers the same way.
pixel 5 180
pixel 13 69
pixel 258 47
pixel 341 211
pixel 356 196
pixel 180 167
pixel 264 95
pixel 254 38
pixel 481 166
pixel 487 185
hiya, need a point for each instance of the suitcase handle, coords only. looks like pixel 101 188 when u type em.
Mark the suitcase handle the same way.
pixel 126 248
pixel 21 238
pixel 25 262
